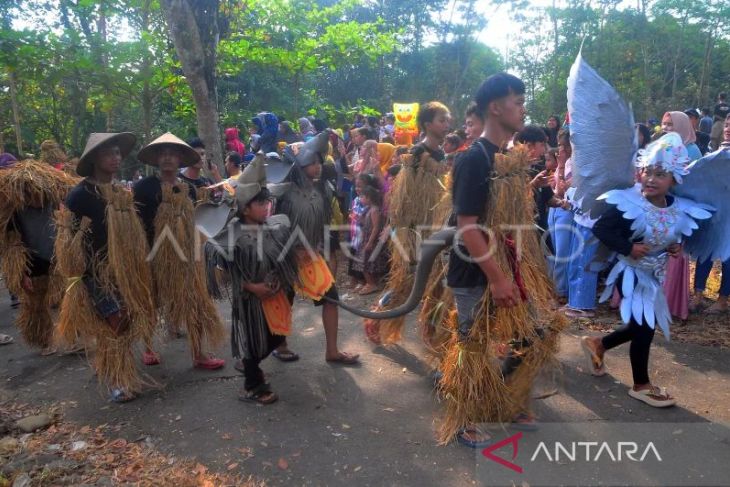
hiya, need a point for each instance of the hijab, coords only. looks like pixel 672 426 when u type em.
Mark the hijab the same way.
pixel 385 154
pixel 683 127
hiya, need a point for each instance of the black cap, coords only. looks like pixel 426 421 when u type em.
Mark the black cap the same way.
pixel 692 112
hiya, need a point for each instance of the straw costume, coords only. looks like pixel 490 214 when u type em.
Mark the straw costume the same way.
pixel 30 192
pixel 178 273
pixel 478 384
pixel 416 193
pixel 100 250
pixel 252 254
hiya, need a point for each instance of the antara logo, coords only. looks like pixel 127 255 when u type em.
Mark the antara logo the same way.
pixel 593 452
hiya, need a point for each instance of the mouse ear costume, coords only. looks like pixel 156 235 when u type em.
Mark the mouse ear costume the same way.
pixel 255 254
pixel 30 192
pixel 101 250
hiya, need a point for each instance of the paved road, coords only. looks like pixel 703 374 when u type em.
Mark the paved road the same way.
pixel 371 425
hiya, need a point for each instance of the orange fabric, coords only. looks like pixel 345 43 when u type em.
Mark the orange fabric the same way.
pixel 385 154
pixel 315 277
pixel 277 310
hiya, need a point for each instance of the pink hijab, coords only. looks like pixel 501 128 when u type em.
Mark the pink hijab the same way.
pixel 683 127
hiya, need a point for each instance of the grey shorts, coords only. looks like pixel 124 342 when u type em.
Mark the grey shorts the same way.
pixel 468 301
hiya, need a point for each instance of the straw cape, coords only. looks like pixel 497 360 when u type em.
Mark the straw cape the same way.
pixel 122 274
pixel 475 386
pixel 30 191
pixel 124 140
pixel 149 154
pixel 416 193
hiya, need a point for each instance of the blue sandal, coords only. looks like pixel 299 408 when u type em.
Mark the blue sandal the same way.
pixel 470 442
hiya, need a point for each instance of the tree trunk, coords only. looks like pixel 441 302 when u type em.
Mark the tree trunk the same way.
pixel 706 68
pixel 16 113
pixel 195 34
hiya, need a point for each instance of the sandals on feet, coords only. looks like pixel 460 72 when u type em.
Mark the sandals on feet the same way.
pixel 345 359
pixel 524 422
pixel 654 396
pixel 286 356
pixel 121 396
pixel 259 395
pixel 578 313
pixel 150 358
pixel 598 366
pixel 209 363
pixel 472 440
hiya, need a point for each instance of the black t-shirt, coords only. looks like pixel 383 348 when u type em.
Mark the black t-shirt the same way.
pixel 85 200
pixel 470 190
pixel 703 141
pixel 148 196
pixel 438 155
pixel 201 182
pixel 721 111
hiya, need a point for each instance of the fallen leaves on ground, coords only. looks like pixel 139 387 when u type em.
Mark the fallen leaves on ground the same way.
pixel 48 457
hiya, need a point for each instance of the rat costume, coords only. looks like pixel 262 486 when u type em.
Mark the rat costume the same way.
pixel 167 213
pixel 30 192
pixel 255 254
pixel 309 207
pixel 100 250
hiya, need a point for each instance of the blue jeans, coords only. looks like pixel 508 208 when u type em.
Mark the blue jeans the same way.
pixel 560 223
pixel 582 271
pixel 702 272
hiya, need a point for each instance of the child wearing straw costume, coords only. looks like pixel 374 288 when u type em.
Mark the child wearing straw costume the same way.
pixel 251 249
pixel 30 192
pixel 100 250
pixel 165 204
pixel 415 194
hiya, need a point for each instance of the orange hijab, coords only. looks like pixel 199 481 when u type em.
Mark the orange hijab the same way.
pixel 385 154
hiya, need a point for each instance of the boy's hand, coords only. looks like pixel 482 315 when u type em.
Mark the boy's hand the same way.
pixel 639 251
pixel 505 293
pixel 540 181
pixel 674 250
pixel 261 290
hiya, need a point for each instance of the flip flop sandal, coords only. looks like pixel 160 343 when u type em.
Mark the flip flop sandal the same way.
pixel 598 366
pixel 259 395
pixel 524 422
pixel 366 291
pixel 5 339
pixel 120 396
pixel 150 358
pixel 288 356
pixel 578 313
pixel 645 395
pixel 209 363
pixel 471 443
pixel 345 359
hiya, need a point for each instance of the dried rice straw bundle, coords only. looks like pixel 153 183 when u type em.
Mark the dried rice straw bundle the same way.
pixel 540 354
pixel 14 262
pixel 34 184
pixel 115 363
pixel 180 285
pixel 416 193
pixel 126 258
pixel 34 319
pixel 434 316
pixel 473 383
pixel 473 388
pixel 77 318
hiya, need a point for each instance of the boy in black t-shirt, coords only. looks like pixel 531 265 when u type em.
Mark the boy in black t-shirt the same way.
pixel 501 101
pixel 434 120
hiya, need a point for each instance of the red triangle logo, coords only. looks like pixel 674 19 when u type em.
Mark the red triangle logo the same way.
pixel 514 439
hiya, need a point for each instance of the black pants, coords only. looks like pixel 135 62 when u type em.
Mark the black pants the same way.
pixel 640 336
pixel 254 376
